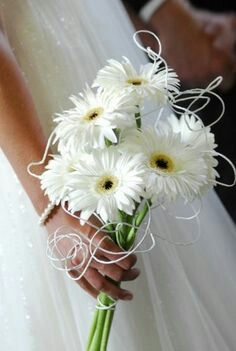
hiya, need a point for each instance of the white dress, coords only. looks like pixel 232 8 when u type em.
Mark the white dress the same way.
pixel 185 296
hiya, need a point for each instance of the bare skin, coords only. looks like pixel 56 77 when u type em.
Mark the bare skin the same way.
pixel 22 140
pixel 199 45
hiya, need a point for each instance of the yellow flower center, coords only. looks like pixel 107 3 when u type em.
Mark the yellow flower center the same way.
pixel 107 184
pixel 161 162
pixel 136 81
pixel 93 114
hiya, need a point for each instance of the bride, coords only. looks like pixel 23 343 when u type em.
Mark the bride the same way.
pixel 184 298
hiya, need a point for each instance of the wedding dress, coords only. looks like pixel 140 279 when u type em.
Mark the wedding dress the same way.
pixel 184 299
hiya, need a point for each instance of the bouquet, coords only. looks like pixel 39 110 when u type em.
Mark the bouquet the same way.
pixel 111 165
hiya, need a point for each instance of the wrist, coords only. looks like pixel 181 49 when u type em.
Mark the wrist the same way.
pixel 147 11
pixel 169 13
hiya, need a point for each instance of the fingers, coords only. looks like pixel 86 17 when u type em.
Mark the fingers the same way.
pixel 115 272
pixel 94 280
pixel 108 248
pixel 100 283
pixel 221 29
pixel 112 269
pixel 85 285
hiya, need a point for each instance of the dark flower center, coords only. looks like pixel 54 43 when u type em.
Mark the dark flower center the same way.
pixel 161 162
pixel 108 185
pixel 136 81
pixel 93 114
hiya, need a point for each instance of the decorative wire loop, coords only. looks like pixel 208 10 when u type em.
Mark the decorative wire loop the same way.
pixel 101 306
pixel 141 47
pixel 75 242
pixel 154 56
pixel 41 162
pixel 68 249
pixel 79 245
pixel 196 95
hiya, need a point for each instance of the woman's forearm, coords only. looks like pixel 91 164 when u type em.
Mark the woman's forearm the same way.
pixel 21 135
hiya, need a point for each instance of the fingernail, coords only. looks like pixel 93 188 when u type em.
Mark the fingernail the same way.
pixel 127 297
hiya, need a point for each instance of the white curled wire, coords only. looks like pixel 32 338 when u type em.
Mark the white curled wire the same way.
pixel 154 56
pixel 62 261
pixel 80 243
pixel 101 306
pixel 214 181
pixel 41 162
pixel 141 47
pixel 87 248
pixel 116 224
pixel 195 216
pixel 199 95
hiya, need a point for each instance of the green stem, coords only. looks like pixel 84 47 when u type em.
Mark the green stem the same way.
pixel 111 229
pixel 142 213
pixel 139 218
pixel 108 142
pixel 97 336
pixel 130 238
pixel 106 329
pixel 92 329
pixel 100 330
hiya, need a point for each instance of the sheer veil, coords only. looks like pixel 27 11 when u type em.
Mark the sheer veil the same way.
pixel 60 45
pixel 185 297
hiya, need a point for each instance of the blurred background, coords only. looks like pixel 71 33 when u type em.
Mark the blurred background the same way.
pixel 199 41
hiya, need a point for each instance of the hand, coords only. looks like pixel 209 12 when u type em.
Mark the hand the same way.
pixel 94 280
pixel 198 52
pixel 222 26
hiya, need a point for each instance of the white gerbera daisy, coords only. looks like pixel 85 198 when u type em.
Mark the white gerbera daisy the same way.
pixel 94 119
pixel 108 183
pixel 151 80
pixel 173 169
pixel 194 134
pixel 54 181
